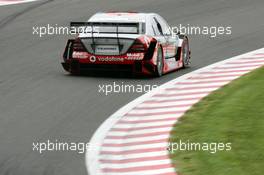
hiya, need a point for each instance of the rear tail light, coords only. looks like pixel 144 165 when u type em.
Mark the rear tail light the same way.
pixel 79 51
pixel 138 46
pixel 78 46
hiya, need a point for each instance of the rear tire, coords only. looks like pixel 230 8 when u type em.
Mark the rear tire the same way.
pixel 185 53
pixel 159 66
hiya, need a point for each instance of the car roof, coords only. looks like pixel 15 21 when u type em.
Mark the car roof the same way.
pixel 120 17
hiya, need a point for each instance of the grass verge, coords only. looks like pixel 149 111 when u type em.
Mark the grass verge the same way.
pixel 233 114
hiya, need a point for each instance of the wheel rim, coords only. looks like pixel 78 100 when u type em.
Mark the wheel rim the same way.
pixel 186 58
pixel 159 62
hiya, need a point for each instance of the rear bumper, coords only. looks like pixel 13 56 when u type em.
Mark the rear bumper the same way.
pixel 138 67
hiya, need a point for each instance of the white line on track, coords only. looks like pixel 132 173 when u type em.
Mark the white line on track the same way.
pixel 11 2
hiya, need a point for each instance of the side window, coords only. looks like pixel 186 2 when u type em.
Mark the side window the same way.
pixel 157 27
pixel 164 25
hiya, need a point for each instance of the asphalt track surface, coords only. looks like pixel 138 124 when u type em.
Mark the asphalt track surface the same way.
pixel 38 101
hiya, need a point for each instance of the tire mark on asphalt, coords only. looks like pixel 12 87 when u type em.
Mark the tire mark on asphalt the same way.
pixel 12 17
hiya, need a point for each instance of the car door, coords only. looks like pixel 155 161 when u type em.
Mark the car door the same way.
pixel 171 42
pixel 158 32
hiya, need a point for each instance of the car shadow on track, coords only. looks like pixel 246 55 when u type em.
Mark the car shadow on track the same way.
pixel 119 75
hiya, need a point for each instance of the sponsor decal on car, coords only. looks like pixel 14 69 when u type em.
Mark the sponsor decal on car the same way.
pixel 108 59
pixel 135 56
pixel 80 55
pixel 93 58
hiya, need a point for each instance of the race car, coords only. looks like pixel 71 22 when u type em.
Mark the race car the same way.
pixel 140 43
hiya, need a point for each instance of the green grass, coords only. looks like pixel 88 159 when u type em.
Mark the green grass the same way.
pixel 234 113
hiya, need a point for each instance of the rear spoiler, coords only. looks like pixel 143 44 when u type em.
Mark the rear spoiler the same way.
pixel 92 27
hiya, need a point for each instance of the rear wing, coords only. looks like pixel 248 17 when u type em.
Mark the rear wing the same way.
pixel 106 28
pixel 96 28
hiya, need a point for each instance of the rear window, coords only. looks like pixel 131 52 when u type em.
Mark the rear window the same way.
pixel 121 28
